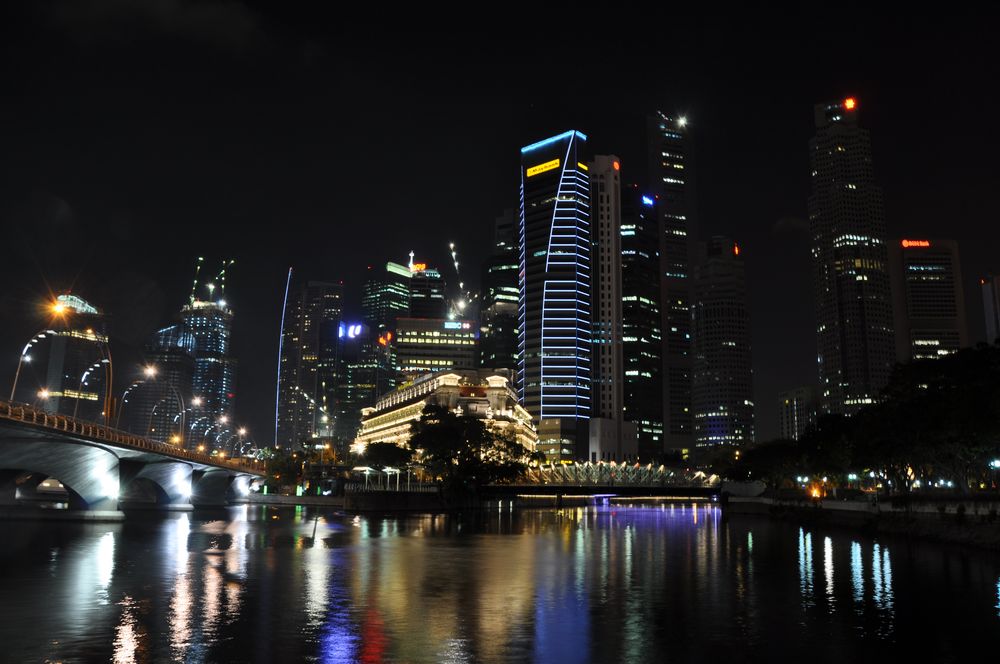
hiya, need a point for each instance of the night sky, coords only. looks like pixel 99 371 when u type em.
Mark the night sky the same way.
pixel 137 136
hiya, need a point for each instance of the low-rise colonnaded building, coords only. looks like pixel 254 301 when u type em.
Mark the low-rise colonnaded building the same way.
pixel 485 394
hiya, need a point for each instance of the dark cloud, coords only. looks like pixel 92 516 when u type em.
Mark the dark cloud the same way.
pixel 225 24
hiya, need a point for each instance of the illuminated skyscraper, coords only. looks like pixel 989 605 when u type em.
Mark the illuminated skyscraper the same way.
pixel 386 296
pixel 554 312
pixel 210 322
pixel 498 313
pixel 64 369
pixel 642 343
pixel 722 370
pixel 928 303
pixel 855 344
pixel 308 370
pixel 424 345
pixel 671 156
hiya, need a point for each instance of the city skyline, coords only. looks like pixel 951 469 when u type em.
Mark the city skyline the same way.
pixel 63 189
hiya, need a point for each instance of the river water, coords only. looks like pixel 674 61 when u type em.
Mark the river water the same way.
pixel 644 582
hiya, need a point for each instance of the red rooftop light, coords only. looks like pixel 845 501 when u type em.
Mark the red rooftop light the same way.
pixel 850 103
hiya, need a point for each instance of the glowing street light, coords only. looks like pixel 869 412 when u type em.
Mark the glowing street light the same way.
pixel 149 371
pixel 243 431
pixel 196 401
pixel 58 308
pixel 43 393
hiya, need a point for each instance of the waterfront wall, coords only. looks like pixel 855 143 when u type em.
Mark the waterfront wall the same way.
pixel 966 521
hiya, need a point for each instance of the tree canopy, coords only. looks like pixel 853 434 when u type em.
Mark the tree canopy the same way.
pixel 463 453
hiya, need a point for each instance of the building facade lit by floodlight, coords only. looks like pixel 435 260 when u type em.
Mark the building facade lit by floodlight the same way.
pixel 554 312
pixel 211 322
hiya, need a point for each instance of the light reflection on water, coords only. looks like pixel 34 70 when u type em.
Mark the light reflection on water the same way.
pixel 609 583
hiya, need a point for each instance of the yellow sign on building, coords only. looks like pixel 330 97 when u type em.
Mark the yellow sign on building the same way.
pixel 541 168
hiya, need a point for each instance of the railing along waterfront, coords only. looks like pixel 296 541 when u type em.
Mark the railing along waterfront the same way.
pixel 26 414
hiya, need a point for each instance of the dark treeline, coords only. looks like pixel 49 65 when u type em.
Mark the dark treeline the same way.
pixel 937 420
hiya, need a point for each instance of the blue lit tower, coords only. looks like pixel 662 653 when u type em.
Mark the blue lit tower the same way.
pixel 554 310
pixel 855 339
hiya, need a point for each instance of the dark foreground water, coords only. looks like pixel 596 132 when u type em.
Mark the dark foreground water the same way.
pixel 610 584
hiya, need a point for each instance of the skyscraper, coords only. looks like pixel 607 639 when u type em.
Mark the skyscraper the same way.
pixel 386 296
pixel 796 412
pixel 642 343
pixel 427 292
pixel 499 297
pixel 554 311
pixel 210 322
pixel 72 378
pixel 610 438
pixel 723 373
pixel 308 369
pixel 671 157
pixel 928 303
pixel 362 378
pixel 991 307
pixel 855 345
pixel 155 404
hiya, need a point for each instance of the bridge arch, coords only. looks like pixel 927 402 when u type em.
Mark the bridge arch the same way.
pixel 88 473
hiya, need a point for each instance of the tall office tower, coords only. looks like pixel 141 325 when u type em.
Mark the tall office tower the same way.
pixel 159 406
pixel 723 374
pixel 611 439
pixel 671 173
pixel 851 280
pixel 386 296
pixel 308 369
pixel 363 375
pixel 796 412
pixel 554 310
pixel 928 304
pixel 427 292
pixel 498 299
pixel 424 345
pixel 210 322
pixel 73 378
pixel 991 307
pixel 642 344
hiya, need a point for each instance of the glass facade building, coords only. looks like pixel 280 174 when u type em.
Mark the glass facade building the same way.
pixel 210 322
pixel 308 371
pixel 499 298
pixel 671 172
pixel 642 343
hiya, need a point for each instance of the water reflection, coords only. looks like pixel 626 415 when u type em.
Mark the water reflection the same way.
pixel 612 583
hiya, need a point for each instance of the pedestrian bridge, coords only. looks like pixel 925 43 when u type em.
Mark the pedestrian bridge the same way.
pixel 48 459
pixel 610 479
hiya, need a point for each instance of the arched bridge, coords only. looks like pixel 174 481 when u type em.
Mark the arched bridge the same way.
pixel 103 469
pixel 610 479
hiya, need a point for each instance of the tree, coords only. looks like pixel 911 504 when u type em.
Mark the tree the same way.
pixel 386 455
pixel 463 454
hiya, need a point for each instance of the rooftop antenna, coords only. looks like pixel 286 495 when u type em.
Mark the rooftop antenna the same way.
pixel 197 271
pixel 411 260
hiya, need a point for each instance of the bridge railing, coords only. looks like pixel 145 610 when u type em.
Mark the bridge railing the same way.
pixel 30 415
pixel 611 474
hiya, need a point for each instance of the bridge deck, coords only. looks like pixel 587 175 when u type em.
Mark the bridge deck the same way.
pixel 39 420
